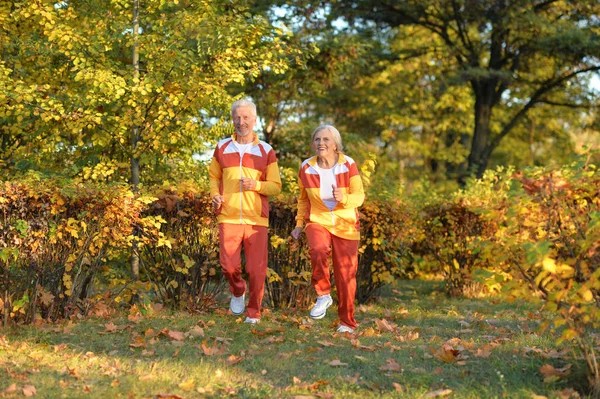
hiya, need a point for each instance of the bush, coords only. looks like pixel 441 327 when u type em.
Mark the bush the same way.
pixel 56 236
pixel 550 239
pixel 186 270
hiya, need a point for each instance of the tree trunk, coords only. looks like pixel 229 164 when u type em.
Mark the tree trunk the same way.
pixel 135 137
pixel 479 154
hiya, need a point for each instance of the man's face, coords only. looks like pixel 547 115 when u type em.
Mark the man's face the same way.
pixel 243 121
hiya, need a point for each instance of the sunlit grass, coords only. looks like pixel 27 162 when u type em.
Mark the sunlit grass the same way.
pixel 499 353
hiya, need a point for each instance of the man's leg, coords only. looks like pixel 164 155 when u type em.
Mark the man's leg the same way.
pixel 230 245
pixel 319 244
pixel 255 249
pixel 345 266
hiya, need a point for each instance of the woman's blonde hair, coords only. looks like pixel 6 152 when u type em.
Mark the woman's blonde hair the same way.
pixel 337 138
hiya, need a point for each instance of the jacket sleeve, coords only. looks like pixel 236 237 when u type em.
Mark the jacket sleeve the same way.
pixel 272 183
pixel 302 202
pixel 215 174
pixel 356 194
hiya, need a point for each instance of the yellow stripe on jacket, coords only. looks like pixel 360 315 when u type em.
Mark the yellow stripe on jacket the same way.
pixel 226 169
pixel 342 221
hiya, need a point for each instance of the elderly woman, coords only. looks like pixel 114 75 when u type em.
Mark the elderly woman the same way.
pixel 330 192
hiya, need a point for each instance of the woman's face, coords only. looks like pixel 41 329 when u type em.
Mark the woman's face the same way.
pixel 323 144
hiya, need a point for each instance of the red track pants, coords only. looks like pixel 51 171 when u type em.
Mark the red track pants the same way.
pixel 345 264
pixel 254 239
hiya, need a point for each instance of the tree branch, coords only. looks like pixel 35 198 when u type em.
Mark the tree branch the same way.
pixel 535 98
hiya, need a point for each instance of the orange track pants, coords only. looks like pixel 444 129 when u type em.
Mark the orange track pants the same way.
pixel 322 244
pixel 254 240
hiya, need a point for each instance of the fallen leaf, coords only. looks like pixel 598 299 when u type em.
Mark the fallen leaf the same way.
pixel 483 352
pixel 233 359
pixel 29 390
pixel 446 354
pixel 175 335
pixel 148 352
pixel 138 342
pixel 384 325
pixel 391 365
pixel 187 385
pixel 437 393
pixel 146 377
pixel 110 327
pixel 398 387
pixel 115 383
pixel 536 396
pixel 336 363
pixel 212 350
pixel 73 372
pixel 196 331
pixel 410 336
pixel 567 393
pixel 548 370
pixel 327 343
pixel 369 332
pixel 11 389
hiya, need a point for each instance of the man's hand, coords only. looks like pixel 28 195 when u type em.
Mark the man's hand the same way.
pixel 217 200
pixel 337 193
pixel 248 184
pixel 296 233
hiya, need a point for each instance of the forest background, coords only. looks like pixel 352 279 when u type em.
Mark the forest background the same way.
pixel 475 124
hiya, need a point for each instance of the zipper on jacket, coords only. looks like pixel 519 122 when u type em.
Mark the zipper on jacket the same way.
pixel 332 219
pixel 241 188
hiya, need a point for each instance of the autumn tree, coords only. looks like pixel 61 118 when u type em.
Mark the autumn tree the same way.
pixel 512 56
pixel 73 97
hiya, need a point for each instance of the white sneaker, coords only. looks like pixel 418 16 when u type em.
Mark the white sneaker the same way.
pixel 236 305
pixel 344 329
pixel 319 310
pixel 251 320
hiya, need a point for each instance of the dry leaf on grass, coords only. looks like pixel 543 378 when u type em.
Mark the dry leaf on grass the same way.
pixel 446 354
pixel 410 336
pixel 174 335
pixel 196 331
pixel 398 387
pixel 385 326
pixel 327 343
pixel 391 365
pixel 437 393
pixel 29 390
pixel 551 373
pixel 212 350
pixel 187 385
pixel 483 352
pixel 336 363
pixel 11 389
pixel 233 359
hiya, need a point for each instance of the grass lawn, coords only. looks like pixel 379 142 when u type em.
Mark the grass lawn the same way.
pixel 412 342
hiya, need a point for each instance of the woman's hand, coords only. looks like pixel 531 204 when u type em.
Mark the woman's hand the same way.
pixel 296 232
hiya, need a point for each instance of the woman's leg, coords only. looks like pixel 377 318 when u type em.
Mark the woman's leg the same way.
pixel 345 266
pixel 319 244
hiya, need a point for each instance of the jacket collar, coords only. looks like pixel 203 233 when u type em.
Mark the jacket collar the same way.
pixel 341 160
pixel 254 138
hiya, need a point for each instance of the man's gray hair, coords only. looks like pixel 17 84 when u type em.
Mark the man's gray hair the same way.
pixel 337 138
pixel 244 103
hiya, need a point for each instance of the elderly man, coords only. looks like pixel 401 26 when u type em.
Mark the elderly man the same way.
pixel 243 173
